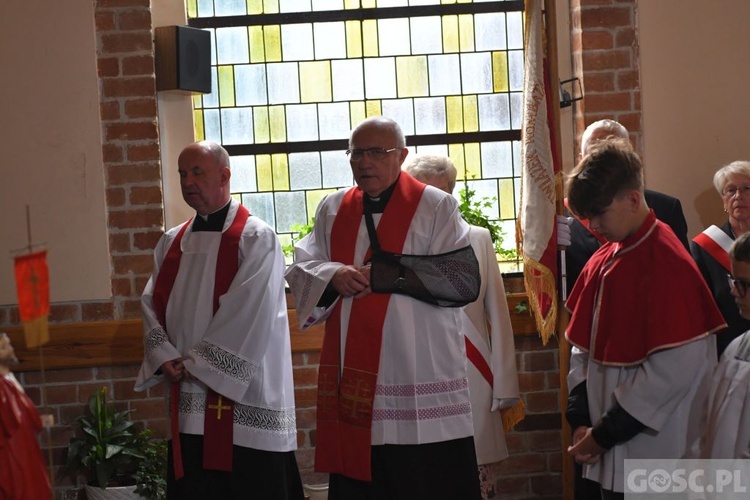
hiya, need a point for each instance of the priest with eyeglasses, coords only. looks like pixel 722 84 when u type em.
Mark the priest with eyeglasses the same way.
pixel 387 267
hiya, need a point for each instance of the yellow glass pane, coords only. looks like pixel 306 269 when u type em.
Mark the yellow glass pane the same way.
pixel 254 6
pixel 456 154
pixel 353 39
pixel 447 2
pixel 271 6
pixel 505 201
pixel 272 37
pixel 261 127
pixel 466 32
pixel 411 76
pixel 472 158
pixel 237 197
pixel 370 38
pixel 357 113
pixel 464 1
pixel 257 45
pixel 369 4
pixel 277 120
pixel 198 130
pixel 280 163
pixel 471 114
pixel 351 4
pixel 197 100
pixel 500 71
pixel 312 201
pixel 192 8
pixel 263 172
pixel 373 108
pixel 315 81
pixel 226 86
pixel 450 34
pixel 455 114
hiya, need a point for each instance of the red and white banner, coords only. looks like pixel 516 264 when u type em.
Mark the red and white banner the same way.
pixel 32 287
pixel 539 177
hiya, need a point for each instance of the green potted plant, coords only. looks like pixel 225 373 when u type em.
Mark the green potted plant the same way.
pixel 109 452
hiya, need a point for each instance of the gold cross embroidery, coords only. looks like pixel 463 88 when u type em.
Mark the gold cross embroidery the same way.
pixel 218 407
pixel 357 398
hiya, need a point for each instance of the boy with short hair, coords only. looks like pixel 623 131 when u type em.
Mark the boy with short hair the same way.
pixel 641 314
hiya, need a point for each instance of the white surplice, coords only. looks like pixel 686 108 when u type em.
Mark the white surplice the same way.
pixel 667 393
pixel 728 428
pixel 242 352
pixel 422 392
pixel 490 330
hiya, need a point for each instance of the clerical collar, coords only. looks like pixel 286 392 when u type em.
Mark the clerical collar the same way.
pixel 212 222
pixel 377 205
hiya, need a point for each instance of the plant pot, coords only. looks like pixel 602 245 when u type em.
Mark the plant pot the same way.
pixel 112 493
pixel 316 491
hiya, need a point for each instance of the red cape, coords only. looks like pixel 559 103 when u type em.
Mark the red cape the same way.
pixel 639 296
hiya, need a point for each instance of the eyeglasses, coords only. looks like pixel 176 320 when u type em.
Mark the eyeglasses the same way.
pixel 372 153
pixel 738 284
pixel 731 191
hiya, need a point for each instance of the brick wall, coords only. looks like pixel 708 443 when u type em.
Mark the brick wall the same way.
pixel 605 57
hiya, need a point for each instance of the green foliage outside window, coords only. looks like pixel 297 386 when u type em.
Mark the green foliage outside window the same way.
pixel 471 210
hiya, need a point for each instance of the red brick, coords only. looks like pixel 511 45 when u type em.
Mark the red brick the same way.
pixel 123 390
pixel 135 86
pixel 531 381
pixel 112 153
pixel 306 418
pixel 156 391
pixel 600 60
pixel 542 402
pixel 539 361
pixel 140 283
pixel 511 486
pixel 144 152
pixel 142 65
pixel 122 287
pixel 136 218
pixel 628 80
pixel 126 174
pixel 600 81
pixel 119 243
pixel 114 4
pixel 139 264
pixel 545 441
pixel 119 43
pixel 105 21
pixel 142 108
pixel 313 358
pixel 64 313
pixel 61 394
pixel 115 197
pixel 298 359
pixel 146 240
pixel 553 380
pixel 107 67
pixel 118 372
pixel 597 40
pixel 148 409
pixel 305 377
pixel 305 398
pixel 145 195
pixel 609 17
pixel 609 101
pixel 531 462
pixel 516 442
pixel 131 131
pixel 97 311
pixel 301 438
pixel 131 309
pixel 546 484
pixel 134 20
pixel 305 458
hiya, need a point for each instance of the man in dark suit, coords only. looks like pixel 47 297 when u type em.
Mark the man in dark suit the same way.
pixel 583 243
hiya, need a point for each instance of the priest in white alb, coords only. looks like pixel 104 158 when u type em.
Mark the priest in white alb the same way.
pixel 394 416
pixel 216 332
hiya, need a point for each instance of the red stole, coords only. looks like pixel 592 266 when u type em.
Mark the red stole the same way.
pixel 344 413
pixel 217 442
pixel 639 296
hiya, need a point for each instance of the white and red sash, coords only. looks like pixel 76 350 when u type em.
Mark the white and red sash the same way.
pixel 217 443
pixel 717 243
pixel 345 398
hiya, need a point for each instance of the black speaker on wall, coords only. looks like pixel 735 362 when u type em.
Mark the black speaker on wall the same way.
pixel 182 59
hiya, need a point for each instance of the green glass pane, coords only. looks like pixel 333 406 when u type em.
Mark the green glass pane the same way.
pixel 500 71
pixel 505 199
pixel 473 160
pixel 456 154
pixel 353 39
pixel 263 172
pixel 315 80
pixel 357 113
pixel 455 114
pixel 261 127
pixel 192 8
pixel 373 108
pixel 370 38
pixel 270 6
pixel 280 164
pixel 272 37
pixel 471 114
pixel 277 119
pixel 254 6
pixel 450 34
pixel 198 130
pixel 411 76
pixel 226 86
pixel 257 47
pixel 466 32
pixel 313 200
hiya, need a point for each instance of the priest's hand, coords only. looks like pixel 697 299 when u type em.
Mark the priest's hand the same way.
pixel 350 281
pixel 585 449
pixel 174 370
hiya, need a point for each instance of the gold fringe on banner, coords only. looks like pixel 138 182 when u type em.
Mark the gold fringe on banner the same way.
pixel 36 331
pixel 511 416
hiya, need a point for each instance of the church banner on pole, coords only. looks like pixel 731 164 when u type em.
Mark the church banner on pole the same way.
pixel 32 288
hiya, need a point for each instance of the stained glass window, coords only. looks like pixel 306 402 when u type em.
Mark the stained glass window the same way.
pixel 291 78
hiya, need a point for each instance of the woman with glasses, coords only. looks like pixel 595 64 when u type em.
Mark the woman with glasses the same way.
pixel 710 249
